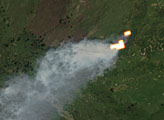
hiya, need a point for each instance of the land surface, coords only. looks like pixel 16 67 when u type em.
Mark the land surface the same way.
pixel 132 90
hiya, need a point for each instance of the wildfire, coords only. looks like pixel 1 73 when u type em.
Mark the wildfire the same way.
pixel 127 33
pixel 120 45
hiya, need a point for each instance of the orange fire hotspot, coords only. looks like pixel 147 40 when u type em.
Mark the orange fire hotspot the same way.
pixel 120 45
pixel 127 33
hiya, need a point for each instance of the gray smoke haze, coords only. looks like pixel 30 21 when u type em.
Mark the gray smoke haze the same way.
pixel 61 74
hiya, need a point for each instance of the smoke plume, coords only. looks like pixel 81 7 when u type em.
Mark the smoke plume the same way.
pixel 60 75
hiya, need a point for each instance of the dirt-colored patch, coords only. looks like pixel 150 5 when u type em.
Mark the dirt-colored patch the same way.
pixel 79 34
pixel 53 21
pixel 55 37
pixel 48 15
pixel 62 33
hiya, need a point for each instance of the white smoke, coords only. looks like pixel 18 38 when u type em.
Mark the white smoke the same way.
pixel 61 74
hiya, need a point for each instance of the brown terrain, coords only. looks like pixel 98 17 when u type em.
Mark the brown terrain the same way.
pixel 53 22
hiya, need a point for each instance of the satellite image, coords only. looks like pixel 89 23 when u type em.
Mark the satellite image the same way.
pixel 81 59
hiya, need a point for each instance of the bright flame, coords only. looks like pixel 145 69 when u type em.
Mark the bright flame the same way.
pixel 118 46
pixel 127 33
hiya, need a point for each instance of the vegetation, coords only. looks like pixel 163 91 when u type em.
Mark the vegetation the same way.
pixel 19 48
pixel 20 12
pixel 134 89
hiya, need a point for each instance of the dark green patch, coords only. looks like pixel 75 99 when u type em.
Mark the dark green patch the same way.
pixel 17 53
